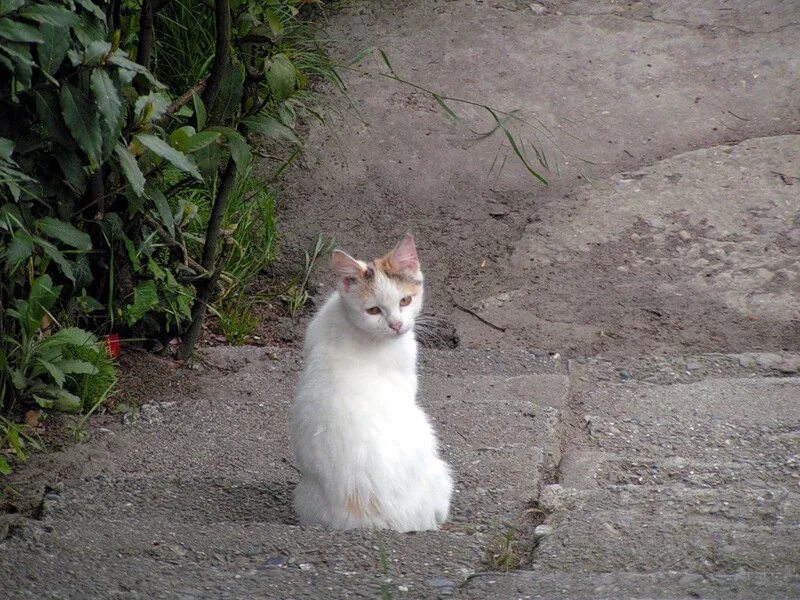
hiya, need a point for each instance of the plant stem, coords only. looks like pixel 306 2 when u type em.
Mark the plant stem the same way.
pixel 222 57
pixel 206 287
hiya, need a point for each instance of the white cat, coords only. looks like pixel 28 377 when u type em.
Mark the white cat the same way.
pixel 367 453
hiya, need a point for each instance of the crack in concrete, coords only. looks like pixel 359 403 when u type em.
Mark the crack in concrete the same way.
pixel 699 27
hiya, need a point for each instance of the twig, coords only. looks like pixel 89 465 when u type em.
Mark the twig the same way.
pixel 180 102
pixel 477 316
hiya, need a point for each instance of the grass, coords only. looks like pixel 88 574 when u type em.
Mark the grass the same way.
pixel 184 44
pixel 296 294
pixel 237 320
pixel 504 553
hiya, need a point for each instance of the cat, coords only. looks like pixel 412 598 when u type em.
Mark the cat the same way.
pixel 367 452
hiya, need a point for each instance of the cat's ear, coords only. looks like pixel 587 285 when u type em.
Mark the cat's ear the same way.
pixel 404 255
pixel 348 270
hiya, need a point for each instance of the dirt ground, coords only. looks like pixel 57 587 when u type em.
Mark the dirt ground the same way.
pixel 622 411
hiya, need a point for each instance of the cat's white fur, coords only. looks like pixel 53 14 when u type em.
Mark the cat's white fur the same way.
pixel 367 452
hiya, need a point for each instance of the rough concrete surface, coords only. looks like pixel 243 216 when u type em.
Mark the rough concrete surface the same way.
pixel 623 413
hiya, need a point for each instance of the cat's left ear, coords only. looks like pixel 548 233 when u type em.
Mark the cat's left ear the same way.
pixel 404 255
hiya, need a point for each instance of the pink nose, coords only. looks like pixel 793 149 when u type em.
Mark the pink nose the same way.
pixel 396 326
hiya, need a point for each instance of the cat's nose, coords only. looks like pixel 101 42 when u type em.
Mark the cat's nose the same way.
pixel 396 326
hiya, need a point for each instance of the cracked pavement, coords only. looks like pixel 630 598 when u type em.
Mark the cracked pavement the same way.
pixel 626 392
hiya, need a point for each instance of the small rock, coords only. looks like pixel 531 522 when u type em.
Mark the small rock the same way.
pixel 277 561
pixel 440 582
pixel 306 567
pixel 624 374
pixel 693 366
pixel 542 531
pixel 685 235
pixel 635 237
pixel 537 8
pixel 498 210
pixel 656 223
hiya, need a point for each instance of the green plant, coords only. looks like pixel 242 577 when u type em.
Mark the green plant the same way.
pixel 14 440
pixel 236 319
pixel 48 368
pixel 503 553
pixel 296 294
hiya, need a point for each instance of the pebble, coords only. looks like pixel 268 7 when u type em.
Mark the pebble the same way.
pixel 693 366
pixel 542 531
pixel 624 374
pixel 685 235
pixel 498 210
pixel 537 8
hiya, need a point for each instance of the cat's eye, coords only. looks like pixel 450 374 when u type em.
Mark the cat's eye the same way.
pixel 374 311
pixel 405 301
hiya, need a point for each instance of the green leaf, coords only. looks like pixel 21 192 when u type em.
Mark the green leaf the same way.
pixel 119 59
pixel 20 55
pixel 95 53
pixel 158 101
pixel 67 401
pixel 49 13
pixel 179 137
pixel 271 128
pixel 52 52
pixel 240 150
pixel 43 402
pixel 18 379
pixel 440 101
pixel 145 298
pixel 72 168
pixel 109 103
pixel 199 141
pixel 6 148
pixel 229 98
pixel 7 6
pixel 386 61
pixel 19 250
pixel 274 22
pixel 92 8
pixel 177 158
pixel 82 122
pixel 69 336
pixel 361 56
pixel 58 258
pixel 131 169
pixel 65 232
pixel 89 30
pixel 56 373
pixel 199 111
pixel 15 31
pixel 41 299
pixel 281 77
pixel 164 211
pixel 78 367
pixel 49 113
pixel 5 468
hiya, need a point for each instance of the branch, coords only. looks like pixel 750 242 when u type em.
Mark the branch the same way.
pixel 183 100
pixel 147 34
pixel 222 57
pixel 206 287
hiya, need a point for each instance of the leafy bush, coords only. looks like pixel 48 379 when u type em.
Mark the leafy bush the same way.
pixel 127 134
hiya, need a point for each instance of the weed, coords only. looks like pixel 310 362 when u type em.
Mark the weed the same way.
pixel 503 553
pixel 296 294
pixel 237 320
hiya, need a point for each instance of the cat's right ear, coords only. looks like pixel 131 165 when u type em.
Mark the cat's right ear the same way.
pixel 348 270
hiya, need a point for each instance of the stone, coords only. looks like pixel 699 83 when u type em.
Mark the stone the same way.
pixel 538 9
pixel 542 531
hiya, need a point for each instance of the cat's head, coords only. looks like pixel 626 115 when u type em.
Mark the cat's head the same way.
pixel 382 297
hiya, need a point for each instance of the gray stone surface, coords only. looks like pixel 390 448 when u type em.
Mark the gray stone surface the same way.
pixel 623 414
